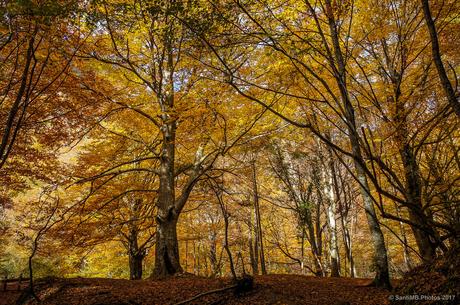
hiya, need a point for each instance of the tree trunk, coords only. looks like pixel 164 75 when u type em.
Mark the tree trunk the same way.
pixel 253 244
pixel 413 196
pixel 407 258
pixel 226 216
pixel 258 224
pixel 136 255
pixel 382 277
pixel 166 249
pixel 316 251
pixel 413 184
pixel 329 185
pixel 333 249
pixel 348 250
pixel 215 268
pixel 135 266
pixel 347 243
pixel 346 224
pixel 227 249
pixel 436 53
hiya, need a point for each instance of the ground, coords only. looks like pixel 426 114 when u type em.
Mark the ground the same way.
pixel 440 278
pixel 268 289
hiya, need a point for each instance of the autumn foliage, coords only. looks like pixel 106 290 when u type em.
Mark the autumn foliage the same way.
pixel 150 139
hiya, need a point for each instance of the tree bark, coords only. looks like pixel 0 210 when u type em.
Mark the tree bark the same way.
pixel 329 185
pixel 167 249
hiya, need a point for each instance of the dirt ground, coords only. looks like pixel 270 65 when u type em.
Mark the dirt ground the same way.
pixel 268 289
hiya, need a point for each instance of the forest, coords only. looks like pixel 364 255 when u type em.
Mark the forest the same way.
pixel 229 152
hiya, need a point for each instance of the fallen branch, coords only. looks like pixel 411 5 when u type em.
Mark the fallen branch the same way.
pixel 207 293
pixel 243 284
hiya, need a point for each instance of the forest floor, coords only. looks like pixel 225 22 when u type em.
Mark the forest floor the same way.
pixel 268 289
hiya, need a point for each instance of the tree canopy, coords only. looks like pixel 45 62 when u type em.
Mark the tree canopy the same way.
pixel 152 138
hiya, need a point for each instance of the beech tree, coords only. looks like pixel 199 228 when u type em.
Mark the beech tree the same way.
pixel 229 137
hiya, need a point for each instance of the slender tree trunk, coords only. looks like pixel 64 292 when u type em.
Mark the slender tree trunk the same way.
pixel 407 258
pixel 414 199
pixel 348 250
pixel 302 252
pixel 259 233
pixel 382 277
pixel 186 255
pixel 253 244
pixel 226 216
pixel 136 258
pixel 227 247
pixel 314 228
pixel 315 251
pixel 328 180
pixel 215 268
pixel 136 255
pixel 253 249
pixel 13 122
pixel 344 221
pixel 436 53
pixel 347 227
pixel 333 249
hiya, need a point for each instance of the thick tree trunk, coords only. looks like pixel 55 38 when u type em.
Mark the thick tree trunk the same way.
pixel 166 249
pixel 135 266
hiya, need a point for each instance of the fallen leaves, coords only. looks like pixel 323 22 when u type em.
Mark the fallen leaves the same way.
pixel 268 289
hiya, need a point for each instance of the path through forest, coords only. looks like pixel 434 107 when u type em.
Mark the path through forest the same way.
pixel 269 289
